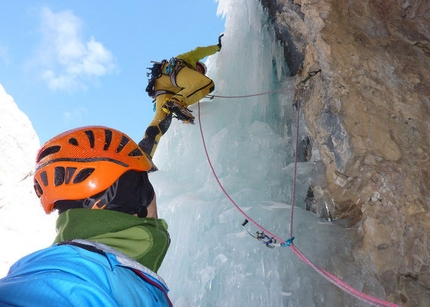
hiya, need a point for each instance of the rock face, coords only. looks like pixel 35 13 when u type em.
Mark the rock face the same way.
pixel 368 113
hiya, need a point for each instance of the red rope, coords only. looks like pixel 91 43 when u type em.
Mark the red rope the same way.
pixel 333 279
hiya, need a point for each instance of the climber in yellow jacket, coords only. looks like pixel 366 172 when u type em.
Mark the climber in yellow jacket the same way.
pixel 176 84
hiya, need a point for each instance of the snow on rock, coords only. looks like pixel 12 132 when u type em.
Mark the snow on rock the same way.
pixel 24 227
pixel 18 142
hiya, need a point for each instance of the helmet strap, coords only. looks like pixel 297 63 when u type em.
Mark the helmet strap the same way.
pixel 101 200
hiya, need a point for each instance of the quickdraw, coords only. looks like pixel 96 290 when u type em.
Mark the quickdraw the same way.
pixel 171 66
pixel 310 75
pixel 270 242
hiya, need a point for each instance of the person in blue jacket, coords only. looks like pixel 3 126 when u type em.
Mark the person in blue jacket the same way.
pixel 110 242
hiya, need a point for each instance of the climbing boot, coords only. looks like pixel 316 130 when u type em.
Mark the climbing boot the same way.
pixel 179 110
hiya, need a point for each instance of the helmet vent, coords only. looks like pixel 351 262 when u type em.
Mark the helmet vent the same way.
pixel 108 139
pixel 38 189
pixel 83 174
pixel 135 153
pixel 90 135
pixel 48 151
pixel 121 145
pixel 59 174
pixel 73 141
pixel 44 178
pixel 63 175
pixel 69 174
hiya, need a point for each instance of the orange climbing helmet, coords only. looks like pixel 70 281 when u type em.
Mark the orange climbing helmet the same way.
pixel 82 162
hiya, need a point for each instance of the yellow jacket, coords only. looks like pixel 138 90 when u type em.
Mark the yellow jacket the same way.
pixel 193 56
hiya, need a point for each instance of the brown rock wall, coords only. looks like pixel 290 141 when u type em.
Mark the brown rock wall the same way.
pixel 368 112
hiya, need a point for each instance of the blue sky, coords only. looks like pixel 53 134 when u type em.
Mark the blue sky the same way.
pixel 74 63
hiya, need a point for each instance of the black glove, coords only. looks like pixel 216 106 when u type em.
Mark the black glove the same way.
pixel 219 41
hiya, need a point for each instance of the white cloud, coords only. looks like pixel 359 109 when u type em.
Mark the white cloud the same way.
pixel 62 81
pixel 75 117
pixel 68 61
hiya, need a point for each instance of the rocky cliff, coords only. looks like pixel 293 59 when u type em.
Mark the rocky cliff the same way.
pixel 368 114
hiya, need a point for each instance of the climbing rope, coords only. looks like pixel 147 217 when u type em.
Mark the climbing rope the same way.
pixel 222 187
pixel 251 95
pixel 269 239
pixel 293 189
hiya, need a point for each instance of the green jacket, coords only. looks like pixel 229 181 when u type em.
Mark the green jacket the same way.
pixel 144 239
pixel 193 56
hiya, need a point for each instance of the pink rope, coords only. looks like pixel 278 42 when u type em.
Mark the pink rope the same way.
pixel 341 284
pixel 331 278
pixel 222 188
pixel 293 192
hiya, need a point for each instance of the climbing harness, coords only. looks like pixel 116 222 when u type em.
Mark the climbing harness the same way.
pixel 173 67
pixel 271 240
pixel 262 237
pixel 168 68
